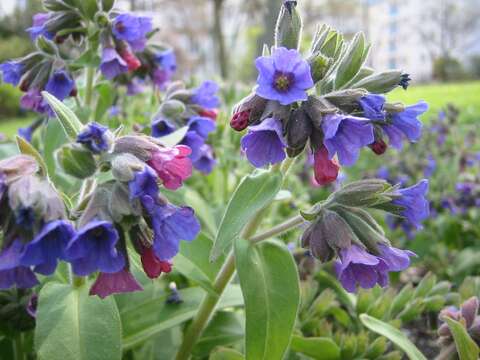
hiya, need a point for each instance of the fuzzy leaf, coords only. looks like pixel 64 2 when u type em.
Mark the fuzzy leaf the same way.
pixel 70 123
pixel 467 348
pixel 26 148
pixel 318 348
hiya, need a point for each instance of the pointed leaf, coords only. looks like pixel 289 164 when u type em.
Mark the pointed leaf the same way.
pixel 270 286
pixel 319 348
pixel 352 61
pixel 394 335
pixel 467 348
pixel 70 123
pixel 252 194
pixel 26 148
pixel 174 138
pixel 71 324
pixel 225 354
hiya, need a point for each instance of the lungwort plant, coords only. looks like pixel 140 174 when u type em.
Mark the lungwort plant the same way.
pixel 101 252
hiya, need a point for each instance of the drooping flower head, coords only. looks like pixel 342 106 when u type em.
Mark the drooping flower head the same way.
pixel 396 259
pixel 405 124
pixel 162 126
pixel 95 137
pixel 132 29
pixel 172 165
pixel 12 273
pixel 206 162
pixel 33 100
pixel 325 169
pixel 372 106
pixel 94 248
pixel 48 247
pixel 112 63
pixel 144 184
pixel 357 267
pixel 264 144
pixel 284 76
pixel 38 27
pixel 60 84
pixel 345 135
pixel 115 283
pixel 133 63
pixel 167 60
pixel 206 95
pixel 12 72
pixel 201 125
pixel 152 266
pixel 416 205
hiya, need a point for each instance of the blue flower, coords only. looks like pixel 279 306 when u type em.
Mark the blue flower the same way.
pixel 132 29
pixel 39 27
pixel 48 246
pixel 112 63
pixel 206 162
pixel 171 224
pixel 162 127
pixel 95 138
pixel 11 271
pixel 12 72
pixel 26 133
pixel 264 143
pixel 345 135
pixel 195 143
pixel 372 106
pixel 414 202
pixel 206 95
pixel 405 125
pixel 94 249
pixel 284 76
pixel 60 84
pixel 167 60
pixel 145 183
pixel 201 125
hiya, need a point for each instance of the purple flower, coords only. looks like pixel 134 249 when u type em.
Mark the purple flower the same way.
pixel 60 84
pixel 206 95
pixel 372 106
pixel 195 143
pixel 206 162
pixel 201 125
pixel 12 72
pixel 117 283
pixel 39 27
pixel 95 138
pixel 161 77
pixel 171 224
pixel 162 127
pixel 145 183
pixel 264 144
pixel 11 272
pixel 405 125
pixel 132 29
pixel 345 135
pixel 33 100
pixel 284 76
pixel 396 259
pixel 48 246
pixel 413 200
pixel 357 267
pixel 26 133
pixel 167 60
pixel 94 248
pixel 112 63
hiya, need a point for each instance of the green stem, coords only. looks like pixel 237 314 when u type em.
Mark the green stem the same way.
pixel 90 74
pixel 18 347
pixel 279 229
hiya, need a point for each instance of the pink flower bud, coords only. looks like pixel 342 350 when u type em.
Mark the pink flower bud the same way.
pixel 378 146
pixel 152 266
pixel 240 120
pixel 132 61
pixel 326 170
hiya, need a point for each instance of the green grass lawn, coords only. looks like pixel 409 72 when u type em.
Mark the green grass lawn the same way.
pixel 466 96
pixel 10 126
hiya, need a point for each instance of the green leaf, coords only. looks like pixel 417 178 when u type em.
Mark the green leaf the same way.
pixel 26 148
pixel 174 138
pixel 253 193
pixel 270 286
pixel 202 210
pixel 319 348
pixel 70 123
pixel 394 335
pixel 352 61
pixel 106 96
pixel 225 354
pixel 143 320
pixel 192 262
pixel 73 325
pixel 467 348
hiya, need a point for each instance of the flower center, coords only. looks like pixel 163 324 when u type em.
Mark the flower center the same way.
pixel 283 81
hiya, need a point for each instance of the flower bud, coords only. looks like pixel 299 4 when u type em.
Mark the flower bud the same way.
pixel 325 170
pixel 18 166
pixel 139 146
pixel 209 113
pixel 120 205
pixel 319 64
pixel 172 108
pixel 469 310
pixel 316 107
pixel 132 61
pixel 124 167
pixel 380 83
pixel 378 146
pixel 299 129
pixel 254 104
pixel 328 234
pixel 363 193
pixel 45 45
pixel 288 30
pixel 76 161
pixel 239 120
pixel 347 100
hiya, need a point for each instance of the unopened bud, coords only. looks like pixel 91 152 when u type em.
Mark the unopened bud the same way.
pixel 172 108
pixel 346 100
pixel 120 205
pixel 46 45
pixel 239 120
pixel 469 310
pixel 124 167
pixel 139 146
pixel 363 193
pixel 319 65
pixel 254 104
pixel 380 83
pixel 299 129
pixel 76 161
pixel 325 169
pixel 209 113
pixel 378 146
pixel 132 61
pixel 288 30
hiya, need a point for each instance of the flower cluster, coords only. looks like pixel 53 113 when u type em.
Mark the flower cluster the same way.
pixel 342 228
pixel 467 314
pixel 283 113
pixel 196 110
